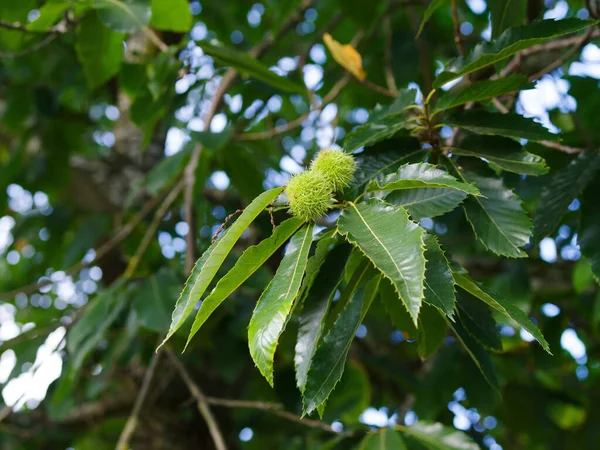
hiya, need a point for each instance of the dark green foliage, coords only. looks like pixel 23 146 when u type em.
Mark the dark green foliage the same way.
pixel 146 142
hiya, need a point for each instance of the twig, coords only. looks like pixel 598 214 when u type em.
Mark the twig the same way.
pixel 201 401
pixel 160 213
pixel 157 41
pixel 552 45
pixel 376 88
pixel 560 147
pixel 100 252
pixel 389 73
pixel 422 49
pixel 555 145
pixel 132 421
pixel 560 61
pixel 457 38
pixel 60 27
pixel 333 93
pixel 34 48
pixel 273 408
pixel 227 80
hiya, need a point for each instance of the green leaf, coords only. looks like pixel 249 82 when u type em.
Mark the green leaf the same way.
pixel 567 416
pixel 405 99
pixel 436 436
pixel 155 299
pixel 396 309
pixel 314 311
pixel 510 125
pixel 420 176
pixel 583 276
pixel 94 313
pixel 88 234
pixel 480 91
pixel 125 16
pixel 250 261
pixel 383 123
pixel 274 306
pixel 325 243
pixel 373 132
pixel 99 50
pixel 249 65
pixel 384 439
pixel 477 319
pixel 99 324
pixel 439 283
pixel 498 219
pixel 328 362
pixel 476 351
pixel 374 163
pixel 209 263
pixel 506 14
pixel 588 236
pixel 431 331
pixel 562 189
pixel 351 396
pixel 509 43
pixel 433 7
pixel 392 242
pixel 504 152
pixel 171 15
pixel 49 14
pixel 502 306
pixel 431 202
pixel 167 170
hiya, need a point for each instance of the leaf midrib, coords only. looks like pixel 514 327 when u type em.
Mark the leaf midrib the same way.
pixel 381 243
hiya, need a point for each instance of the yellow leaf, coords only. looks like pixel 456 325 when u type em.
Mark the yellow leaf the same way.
pixel 346 56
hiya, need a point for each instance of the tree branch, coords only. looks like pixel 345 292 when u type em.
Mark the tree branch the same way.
pixel 201 401
pixel 158 216
pixel 457 38
pixel 564 58
pixel 60 27
pixel 100 252
pixel 132 421
pixel 552 45
pixel 389 73
pixel 273 408
pixel 331 95
pixel 34 48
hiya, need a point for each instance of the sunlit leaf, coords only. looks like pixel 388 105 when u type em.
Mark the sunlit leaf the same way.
pixel 273 309
pixel 209 263
pixel 250 261
pixel 392 242
pixel 346 56
pixel 420 176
